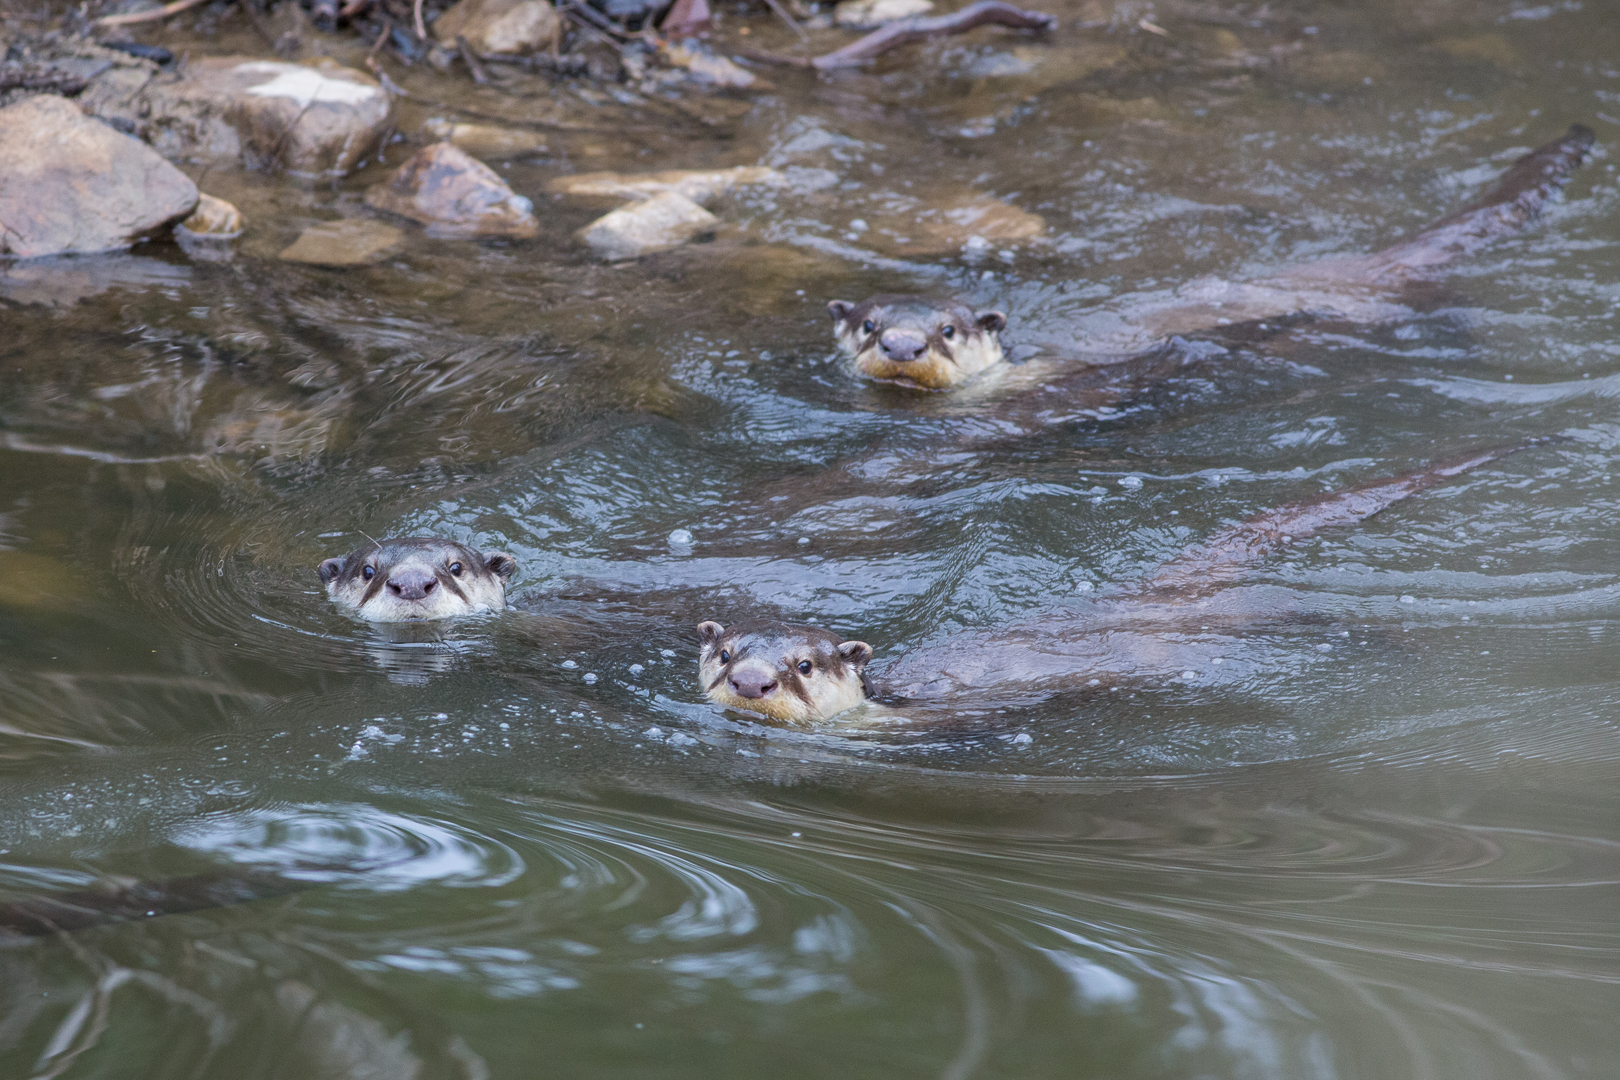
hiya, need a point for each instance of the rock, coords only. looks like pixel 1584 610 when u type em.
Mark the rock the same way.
pixel 213 218
pixel 350 242
pixel 454 194
pixel 864 14
pixel 699 185
pixel 71 184
pixel 207 234
pixel 315 119
pixel 485 140
pixel 706 66
pixel 499 27
pixel 658 224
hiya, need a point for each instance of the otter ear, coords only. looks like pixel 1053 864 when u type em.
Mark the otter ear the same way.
pixel 709 632
pixel 993 322
pixel 330 569
pixel 856 652
pixel 500 564
pixel 840 309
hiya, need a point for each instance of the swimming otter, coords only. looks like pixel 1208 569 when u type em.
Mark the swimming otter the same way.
pixel 804 675
pixel 936 344
pixel 413 578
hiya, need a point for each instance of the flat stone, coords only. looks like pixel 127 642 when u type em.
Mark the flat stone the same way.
pixel 499 27
pixel 454 194
pixel 699 185
pixel 349 242
pixel 317 119
pixel 863 14
pixel 71 184
pixel 485 140
pixel 658 224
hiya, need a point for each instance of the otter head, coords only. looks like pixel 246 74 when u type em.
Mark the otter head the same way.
pixel 933 344
pixel 417 577
pixel 792 674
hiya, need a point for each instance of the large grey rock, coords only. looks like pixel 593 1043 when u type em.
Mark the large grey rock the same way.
pixel 71 184
pixel 454 194
pixel 316 119
pixel 499 27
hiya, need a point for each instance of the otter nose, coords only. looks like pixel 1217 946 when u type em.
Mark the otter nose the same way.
pixel 902 344
pixel 412 583
pixel 750 685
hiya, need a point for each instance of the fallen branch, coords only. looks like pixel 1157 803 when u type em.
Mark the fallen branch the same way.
pixel 468 57
pixel 905 31
pixel 149 16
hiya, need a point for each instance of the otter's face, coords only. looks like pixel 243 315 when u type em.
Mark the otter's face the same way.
pixel 418 577
pixel 933 344
pixel 792 674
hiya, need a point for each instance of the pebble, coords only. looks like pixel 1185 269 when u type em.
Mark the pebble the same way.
pixel 454 194
pixel 699 185
pixel 866 14
pixel 658 224
pixel 499 27
pixel 485 140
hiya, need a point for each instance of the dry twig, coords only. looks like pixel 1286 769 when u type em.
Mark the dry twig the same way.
pixel 163 12
pixel 905 31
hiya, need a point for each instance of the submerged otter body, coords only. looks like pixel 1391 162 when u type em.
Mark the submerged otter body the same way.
pixel 804 675
pixel 417 578
pixel 939 344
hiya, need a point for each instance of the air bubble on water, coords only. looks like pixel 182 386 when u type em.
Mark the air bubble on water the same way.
pixel 1189 674
pixel 804 540
pixel 637 669
pixel 858 225
pixel 680 538
pixel 1094 682
pixel 590 676
pixel 1324 647
pixel 569 664
pixel 1084 586
pixel 1023 738
pixel 654 732
pixel 1408 598
pixel 1132 482
pixel 666 652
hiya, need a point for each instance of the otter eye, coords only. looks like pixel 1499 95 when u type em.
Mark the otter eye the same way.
pixel 455 569
pixel 805 667
pixel 948 333
pixel 369 572
pixel 725 656
pixel 868 326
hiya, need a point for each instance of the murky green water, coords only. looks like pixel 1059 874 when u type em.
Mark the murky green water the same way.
pixel 1380 839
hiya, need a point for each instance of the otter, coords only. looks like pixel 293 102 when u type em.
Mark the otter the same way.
pixel 937 344
pixel 413 578
pixel 804 676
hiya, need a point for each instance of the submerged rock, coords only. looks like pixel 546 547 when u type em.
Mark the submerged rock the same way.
pixel 315 119
pixel 213 218
pixel 499 27
pixel 350 242
pixel 444 188
pixel 709 67
pixel 485 140
pixel 71 184
pixel 864 14
pixel 208 232
pixel 699 185
pixel 658 224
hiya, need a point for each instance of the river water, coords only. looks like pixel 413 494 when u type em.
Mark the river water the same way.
pixel 1374 835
